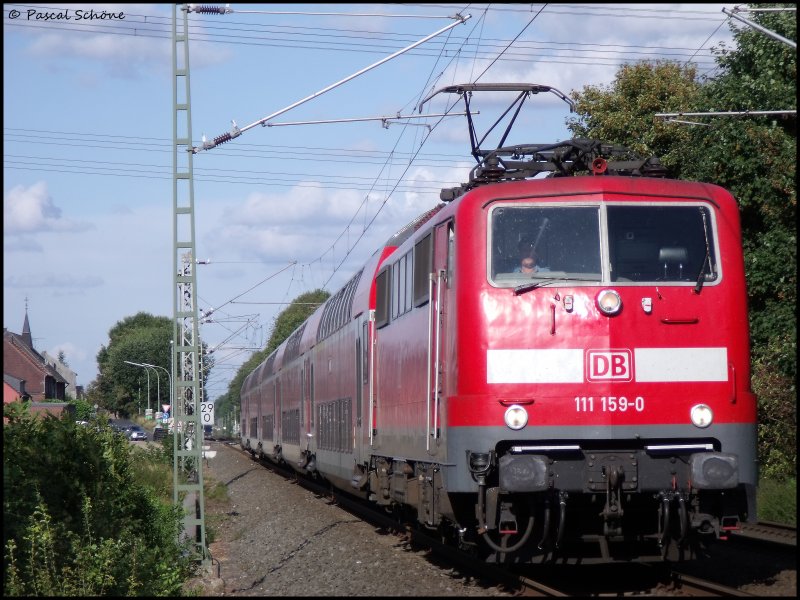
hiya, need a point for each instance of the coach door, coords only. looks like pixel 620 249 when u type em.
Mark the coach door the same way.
pixel 305 402
pixel 276 411
pixel 440 276
pixel 363 396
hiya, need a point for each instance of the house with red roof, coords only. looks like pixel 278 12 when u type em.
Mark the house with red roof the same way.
pixel 26 371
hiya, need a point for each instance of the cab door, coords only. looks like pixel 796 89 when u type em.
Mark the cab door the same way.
pixel 440 283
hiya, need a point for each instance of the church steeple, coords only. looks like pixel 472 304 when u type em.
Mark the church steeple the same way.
pixel 26 328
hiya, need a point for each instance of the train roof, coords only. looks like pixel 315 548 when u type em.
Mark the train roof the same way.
pixel 567 188
pixel 405 232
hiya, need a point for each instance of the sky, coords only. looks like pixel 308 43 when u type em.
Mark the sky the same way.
pixel 281 209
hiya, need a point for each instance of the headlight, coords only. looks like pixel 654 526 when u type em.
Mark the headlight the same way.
pixel 516 417
pixel 701 415
pixel 609 302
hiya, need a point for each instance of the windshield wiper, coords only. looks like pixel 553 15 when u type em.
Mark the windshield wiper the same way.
pixel 542 281
pixel 526 287
pixel 701 275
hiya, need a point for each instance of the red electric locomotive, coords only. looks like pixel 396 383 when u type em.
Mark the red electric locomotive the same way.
pixel 543 369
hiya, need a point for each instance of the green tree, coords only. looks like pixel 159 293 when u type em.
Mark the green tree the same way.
pixel 141 338
pixel 285 323
pixel 753 157
pixel 622 113
pixel 83 409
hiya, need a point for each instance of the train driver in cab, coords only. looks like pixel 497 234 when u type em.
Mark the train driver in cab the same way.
pixel 529 261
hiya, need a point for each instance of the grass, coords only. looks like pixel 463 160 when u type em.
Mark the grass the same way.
pixel 777 501
pixel 217 502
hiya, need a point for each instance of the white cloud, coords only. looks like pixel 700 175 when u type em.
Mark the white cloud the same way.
pixel 18 243
pixel 139 43
pixel 296 206
pixel 28 210
pixel 63 281
pixel 72 353
pixel 276 227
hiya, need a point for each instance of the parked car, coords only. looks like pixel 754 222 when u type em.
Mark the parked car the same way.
pixel 137 433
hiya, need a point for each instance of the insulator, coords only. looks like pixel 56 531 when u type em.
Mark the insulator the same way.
pixel 212 10
pixel 221 139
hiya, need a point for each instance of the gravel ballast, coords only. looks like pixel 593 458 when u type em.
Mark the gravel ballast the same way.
pixel 272 537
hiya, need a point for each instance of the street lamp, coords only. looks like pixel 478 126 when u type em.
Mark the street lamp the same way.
pixel 170 380
pixel 158 380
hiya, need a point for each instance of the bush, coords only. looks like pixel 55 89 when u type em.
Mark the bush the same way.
pixel 77 518
pixel 777 417
pixel 777 501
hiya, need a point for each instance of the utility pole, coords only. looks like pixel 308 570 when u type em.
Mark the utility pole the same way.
pixel 186 351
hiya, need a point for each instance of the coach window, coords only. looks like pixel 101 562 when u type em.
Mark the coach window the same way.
pixel 409 285
pixel 401 282
pixel 397 277
pixel 423 263
pixel 451 253
pixel 302 395
pixel 365 349
pixel 382 282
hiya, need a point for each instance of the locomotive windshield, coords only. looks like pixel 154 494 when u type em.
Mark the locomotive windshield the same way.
pixel 602 243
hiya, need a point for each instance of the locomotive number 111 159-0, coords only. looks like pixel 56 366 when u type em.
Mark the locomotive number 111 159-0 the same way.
pixel 608 404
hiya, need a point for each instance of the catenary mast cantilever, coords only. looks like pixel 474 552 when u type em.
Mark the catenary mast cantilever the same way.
pixel 237 131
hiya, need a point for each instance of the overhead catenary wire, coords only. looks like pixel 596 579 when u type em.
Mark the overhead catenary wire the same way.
pixel 210 311
pixel 205 9
pixel 140 25
pixel 579 53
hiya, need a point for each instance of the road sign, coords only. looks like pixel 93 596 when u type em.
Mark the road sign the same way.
pixel 206 413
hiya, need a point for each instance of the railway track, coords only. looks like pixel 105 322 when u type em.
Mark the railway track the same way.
pixel 766 531
pixel 695 586
pixel 619 580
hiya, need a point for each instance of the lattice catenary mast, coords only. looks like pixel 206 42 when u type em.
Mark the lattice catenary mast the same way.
pixel 186 353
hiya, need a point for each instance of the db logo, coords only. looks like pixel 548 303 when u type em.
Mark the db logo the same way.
pixel 609 365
